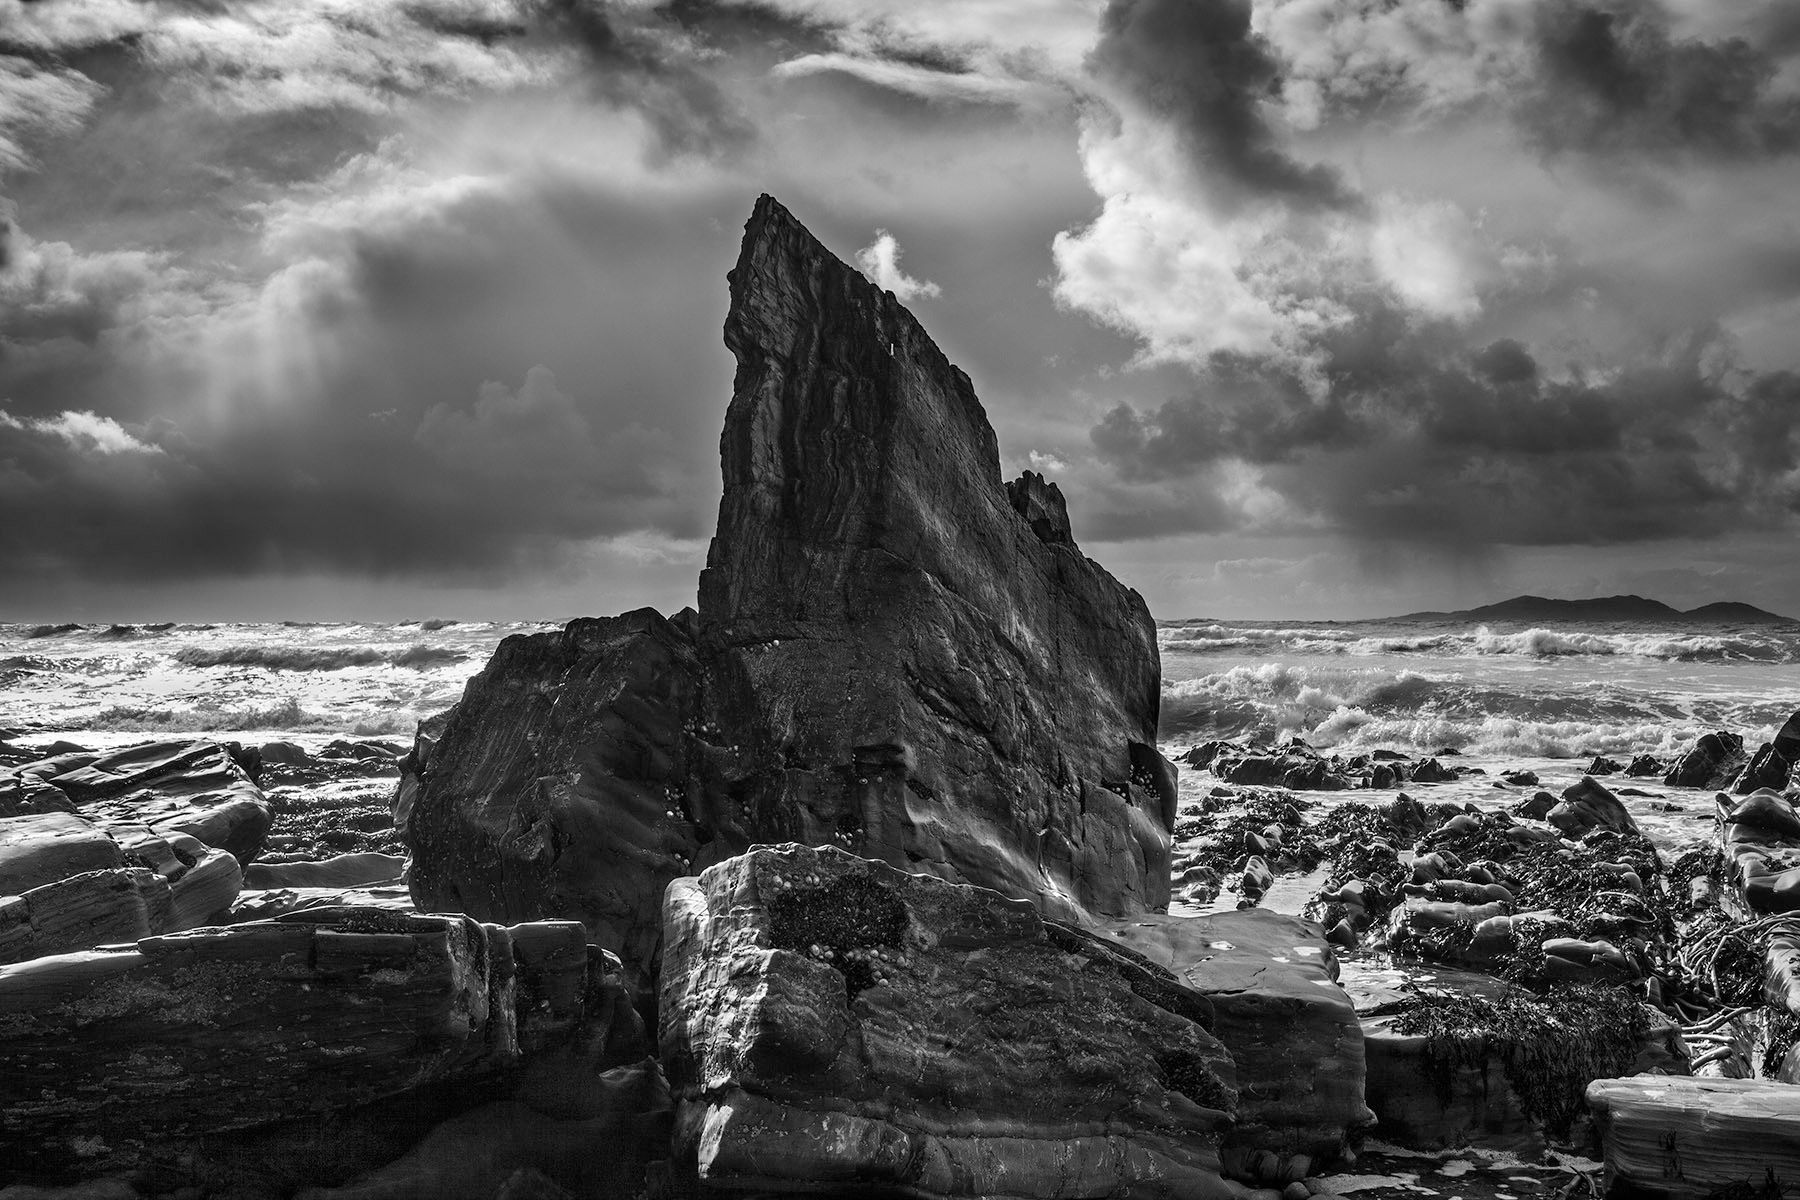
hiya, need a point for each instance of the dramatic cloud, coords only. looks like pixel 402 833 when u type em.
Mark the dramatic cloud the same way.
pixel 1403 356
pixel 1200 69
pixel 425 294
pixel 927 83
pixel 880 261
pixel 83 432
pixel 1612 80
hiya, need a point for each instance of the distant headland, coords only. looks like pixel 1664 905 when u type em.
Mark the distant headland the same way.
pixel 1608 608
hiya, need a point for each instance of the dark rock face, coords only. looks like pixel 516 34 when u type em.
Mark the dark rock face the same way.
pixel 895 653
pixel 1772 766
pixel 566 784
pixel 232 1027
pixel 1714 758
pixel 1588 805
pixel 831 1023
pixel 924 667
pixel 1767 768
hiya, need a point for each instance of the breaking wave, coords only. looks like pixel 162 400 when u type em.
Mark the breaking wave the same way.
pixel 286 714
pixel 316 658
pixel 1538 642
pixel 1282 698
pixel 1546 643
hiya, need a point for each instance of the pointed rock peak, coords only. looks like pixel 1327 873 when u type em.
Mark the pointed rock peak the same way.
pixel 875 583
pixel 1043 507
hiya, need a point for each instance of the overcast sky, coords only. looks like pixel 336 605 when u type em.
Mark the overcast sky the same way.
pixel 402 308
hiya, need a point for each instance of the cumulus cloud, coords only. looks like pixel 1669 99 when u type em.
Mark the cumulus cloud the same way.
pixel 1381 347
pixel 1416 441
pixel 38 102
pixel 84 432
pixel 1579 79
pixel 880 261
pixel 1201 70
pixel 1613 79
pixel 531 432
pixel 1447 275
pixel 926 83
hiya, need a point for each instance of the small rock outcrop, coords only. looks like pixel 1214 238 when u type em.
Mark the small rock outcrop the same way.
pixel 1588 805
pixel 1713 759
pixel 895 652
pixel 1772 766
pixel 829 1021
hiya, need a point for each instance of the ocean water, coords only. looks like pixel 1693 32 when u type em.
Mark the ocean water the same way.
pixel 1501 697
pixel 101 685
pixel 1561 692
pixel 1495 691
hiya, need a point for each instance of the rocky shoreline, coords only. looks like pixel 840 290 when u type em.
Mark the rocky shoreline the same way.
pixel 867 877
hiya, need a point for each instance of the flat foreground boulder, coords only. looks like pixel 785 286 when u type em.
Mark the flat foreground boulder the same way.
pixel 1688 1138
pixel 171 787
pixel 1291 1029
pixel 104 1051
pixel 831 1022
pixel 42 848
pixel 67 884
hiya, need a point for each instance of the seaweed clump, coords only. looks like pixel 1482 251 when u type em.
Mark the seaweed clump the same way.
pixel 1771 1188
pixel 839 923
pixel 1550 1045
pixel 1186 1072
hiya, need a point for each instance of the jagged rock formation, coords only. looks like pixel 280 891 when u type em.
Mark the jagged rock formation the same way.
pixel 926 667
pixel 1710 763
pixel 831 1022
pixel 895 652
pixel 569 782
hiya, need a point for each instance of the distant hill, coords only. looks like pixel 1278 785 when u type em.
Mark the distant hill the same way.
pixel 1607 608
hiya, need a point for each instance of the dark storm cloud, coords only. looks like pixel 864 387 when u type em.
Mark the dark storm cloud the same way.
pixel 1615 80
pixel 1410 438
pixel 403 453
pixel 1198 65
pixel 343 357
pixel 641 61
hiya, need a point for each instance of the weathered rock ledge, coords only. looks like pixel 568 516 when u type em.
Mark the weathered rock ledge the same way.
pixel 830 1021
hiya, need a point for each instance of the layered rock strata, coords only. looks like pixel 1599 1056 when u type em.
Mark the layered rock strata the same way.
pixel 107 1051
pixel 66 884
pixel 829 1022
pixel 895 652
pixel 1292 1032
pixel 153 791
pixel 1683 1139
